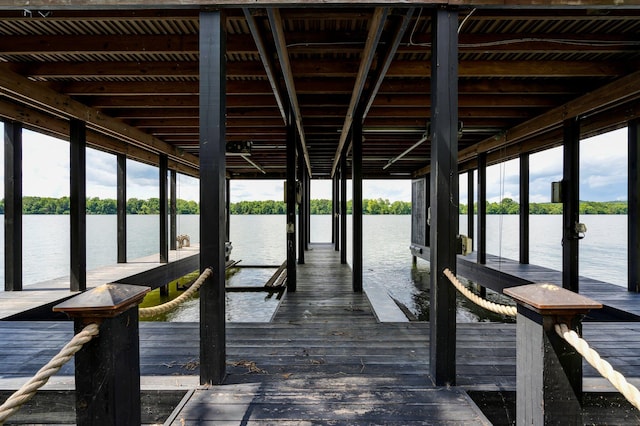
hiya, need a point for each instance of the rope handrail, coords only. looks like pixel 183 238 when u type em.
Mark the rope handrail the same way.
pixel 172 304
pixel 629 391
pixel 29 389
pixel 491 306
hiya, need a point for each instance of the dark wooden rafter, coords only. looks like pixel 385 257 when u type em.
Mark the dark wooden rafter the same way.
pixel 388 59
pixel 608 96
pixel 57 127
pixel 267 63
pixel 22 90
pixel 277 30
pixel 373 39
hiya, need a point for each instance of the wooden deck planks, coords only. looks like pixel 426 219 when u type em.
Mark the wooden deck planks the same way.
pixel 324 359
pixel 51 291
pixel 608 294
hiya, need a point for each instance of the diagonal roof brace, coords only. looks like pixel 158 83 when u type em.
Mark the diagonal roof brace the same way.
pixel 275 20
pixel 371 45
pixel 267 61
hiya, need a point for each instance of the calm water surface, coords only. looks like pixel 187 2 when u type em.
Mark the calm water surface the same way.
pixel 260 240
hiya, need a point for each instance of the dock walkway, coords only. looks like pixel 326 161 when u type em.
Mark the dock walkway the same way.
pixel 324 359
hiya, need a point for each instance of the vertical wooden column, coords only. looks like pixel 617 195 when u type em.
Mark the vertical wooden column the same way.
pixel 227 209
pixel 107 368
pixel 524 208
pixel 12 206
pixel 122 207
pixel 173 207
pixel 335 220
pixel 302 217
pixel 444 194
pixel 633 215
pixel 549 370
pixel 356 206
pixel 307 208
pixel 343 209
pixel 212 196
pixel 78 205
pixel 291 202
pixel 482 208
pixel 164 202
pixel 471 190
pixel 333 210
pixel 570 204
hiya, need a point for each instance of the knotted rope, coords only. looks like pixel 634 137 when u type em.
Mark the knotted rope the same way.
pixel 29 389
pixel 493 307
pixel 172 304
pixel 604 368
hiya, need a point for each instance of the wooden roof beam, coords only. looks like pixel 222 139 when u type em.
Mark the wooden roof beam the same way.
pixel 26 92
pixel 376 28
pixel 59 128
pixel 608 96
pixel 275 20
pixel 267 61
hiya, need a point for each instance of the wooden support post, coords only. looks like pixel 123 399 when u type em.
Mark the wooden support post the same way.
pixel 482 208
pixel 633 216
pixel 227 209
pixel 343 209
pixel 164 202
pixel 471 189
pixel 12 206
pixel 307 208
pixel 548 369
pixel 335 222
pixel 212 196
pixel 107 369
pixel 570 204
pixel 356 206
pixel 444 195
pixel 291 201
pixel 122 207
pixel 524 208
pixel 302 217
pixel 164 225
pixel 78 205
pixel 173 211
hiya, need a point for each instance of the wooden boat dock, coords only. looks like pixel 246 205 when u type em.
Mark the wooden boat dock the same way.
pixel 147 270
pixel 325 358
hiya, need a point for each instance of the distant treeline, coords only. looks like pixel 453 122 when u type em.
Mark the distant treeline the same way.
pixel 509 206
pixel 322 206
pixel 45 205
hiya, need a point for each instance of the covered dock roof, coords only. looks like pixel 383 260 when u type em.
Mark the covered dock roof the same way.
pixel 131 71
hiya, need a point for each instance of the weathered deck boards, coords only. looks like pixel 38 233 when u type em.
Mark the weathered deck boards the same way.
pixel 608 294
pixel 51 291
pixel 334 364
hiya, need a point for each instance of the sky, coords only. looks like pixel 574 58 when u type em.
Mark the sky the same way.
pixel 603 175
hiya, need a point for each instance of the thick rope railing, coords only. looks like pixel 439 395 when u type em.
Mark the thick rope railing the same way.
pixel 629 391
pixel 29 389
pixel 493 307
pixel 172 304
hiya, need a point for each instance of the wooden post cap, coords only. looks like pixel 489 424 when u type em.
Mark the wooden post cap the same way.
pixel 105 301
pixel 549 299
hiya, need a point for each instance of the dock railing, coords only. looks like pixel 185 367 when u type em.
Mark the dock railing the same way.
pixel 549 352
pixel 106 348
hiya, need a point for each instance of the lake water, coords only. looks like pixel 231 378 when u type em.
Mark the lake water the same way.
pixel 260 240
